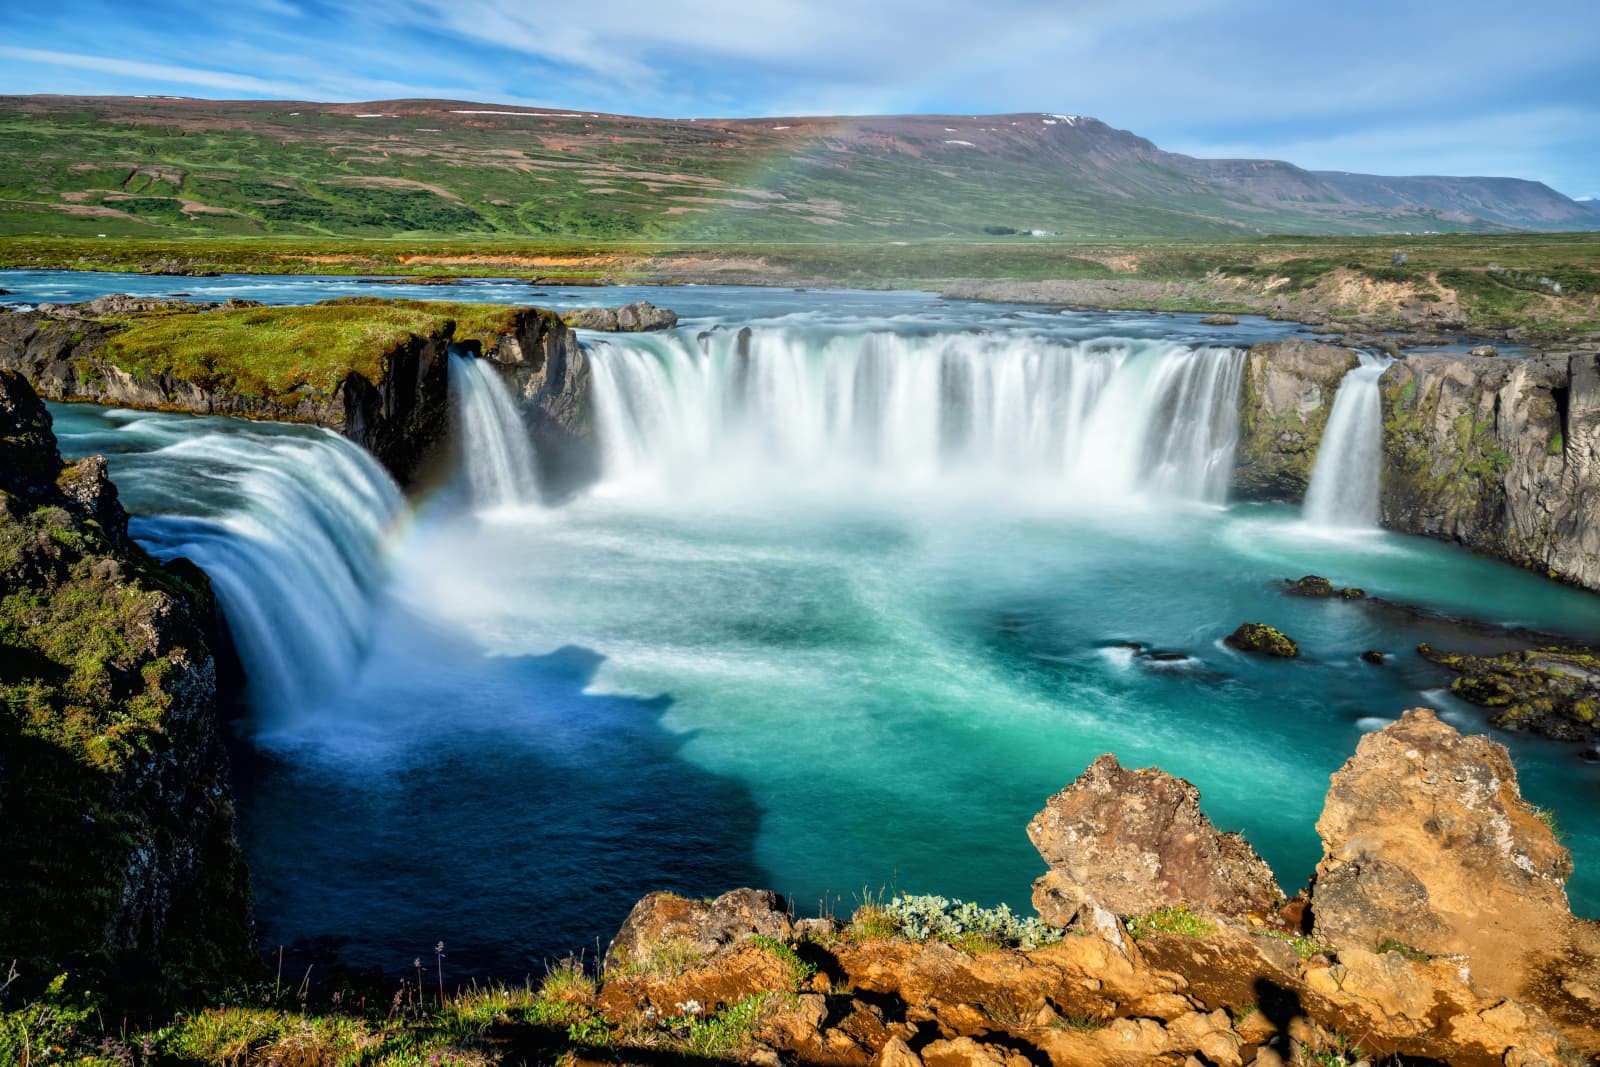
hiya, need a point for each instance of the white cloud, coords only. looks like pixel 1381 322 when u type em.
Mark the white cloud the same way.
pixel 207 79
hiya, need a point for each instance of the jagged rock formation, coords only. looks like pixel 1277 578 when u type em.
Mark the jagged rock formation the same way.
pixel 641 316
pixel 1136 841
pixel 1284 407
pixel 116 823
pixel 1499 455
pixel 1428 842
pixel 702 926
pixel 1551 690
pixel 1441 933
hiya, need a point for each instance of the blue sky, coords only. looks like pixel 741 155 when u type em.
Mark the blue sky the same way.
pixel 1397 87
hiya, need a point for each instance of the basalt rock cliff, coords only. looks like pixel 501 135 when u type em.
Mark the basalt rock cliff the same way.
pixel 1285 401
pixel 116 821
pixel 399 412
pixel 1499 455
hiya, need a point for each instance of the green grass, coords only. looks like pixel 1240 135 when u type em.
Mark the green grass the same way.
pixel 276 351
pixel 800 972
pixel 1174 920
pixel 1303 946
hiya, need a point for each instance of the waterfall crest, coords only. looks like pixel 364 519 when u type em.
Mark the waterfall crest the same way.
pixel 1344 480
pixel 1102 419
pixel 496 453
pixel 294 553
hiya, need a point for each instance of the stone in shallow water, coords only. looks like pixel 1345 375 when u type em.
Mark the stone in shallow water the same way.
pixel 1265 640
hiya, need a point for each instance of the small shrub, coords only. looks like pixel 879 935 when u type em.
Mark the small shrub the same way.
pixel 965 923
pixel 567 980
pixel 1175 920
pixel 800 972
pixel 721 1033
pixel 1082 1024
pixel 1303 946
pixel 1548 817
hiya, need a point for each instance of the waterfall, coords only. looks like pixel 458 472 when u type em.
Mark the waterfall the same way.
pixel 1344 480
pixel 1102 418
pixel 496 453
pixel 290 535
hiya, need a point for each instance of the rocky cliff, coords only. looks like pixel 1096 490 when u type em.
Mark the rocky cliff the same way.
pixel 1284 406
pixel 374 370
pixel 116 823
pixel 1499 455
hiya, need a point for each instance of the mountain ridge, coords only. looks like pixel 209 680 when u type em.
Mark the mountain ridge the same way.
pixel 163 165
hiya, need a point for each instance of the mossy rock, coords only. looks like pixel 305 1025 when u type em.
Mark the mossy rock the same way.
pixel 1374 657
pixel 1312 585
pixel 1263 640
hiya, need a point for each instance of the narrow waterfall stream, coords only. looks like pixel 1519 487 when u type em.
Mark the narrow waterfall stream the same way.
pixel 496 453
pixel 1345 479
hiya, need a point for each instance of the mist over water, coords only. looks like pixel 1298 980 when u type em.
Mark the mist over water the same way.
pixel 848 603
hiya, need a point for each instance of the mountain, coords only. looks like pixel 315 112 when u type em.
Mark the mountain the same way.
pixel 130 166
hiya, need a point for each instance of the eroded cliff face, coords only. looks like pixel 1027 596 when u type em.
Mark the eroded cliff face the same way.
pixel 116 821
pixel 544 364
pixel 1499 455
pixel 397 418
pixel 1284 406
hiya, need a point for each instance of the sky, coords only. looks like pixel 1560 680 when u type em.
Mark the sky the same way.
pixel 1468 87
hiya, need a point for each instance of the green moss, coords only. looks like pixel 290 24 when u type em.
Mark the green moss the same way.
pixel 800 972
pixel 282 352
pixel 1264 639
pixel 1303 946
pixel 1393 944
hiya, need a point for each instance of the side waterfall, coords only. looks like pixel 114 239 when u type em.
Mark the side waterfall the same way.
pixel 1103 418
pixel 496 454
pixel 292 544
pixel 1344 480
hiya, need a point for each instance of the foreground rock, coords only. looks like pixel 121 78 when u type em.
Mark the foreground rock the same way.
pixel 116 824
pixel 1136 841
pixel 1428 844
pixel 1284 406
pixel 1263 640
pixel 641 316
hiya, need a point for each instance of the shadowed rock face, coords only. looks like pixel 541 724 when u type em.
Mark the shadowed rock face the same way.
pixel 1285 404
pixel 1427 841
pixel 116 824
pixel 1136 841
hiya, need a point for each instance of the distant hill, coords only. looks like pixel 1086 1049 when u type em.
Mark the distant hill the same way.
pixel 128 166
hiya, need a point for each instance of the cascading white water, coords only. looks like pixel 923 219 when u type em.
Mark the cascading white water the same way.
pixel 496 453
pixel 1344 480
pixel 1104 418
pixel 293 553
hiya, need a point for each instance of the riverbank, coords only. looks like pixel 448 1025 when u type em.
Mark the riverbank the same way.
pixel 1527 287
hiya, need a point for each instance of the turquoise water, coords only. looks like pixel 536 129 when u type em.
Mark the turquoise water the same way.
pixel 788 655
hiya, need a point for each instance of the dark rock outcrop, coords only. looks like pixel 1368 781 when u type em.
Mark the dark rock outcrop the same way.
pixel 544 364
pixel 1285 402
pixel 1314 586
pixel 116 822
pixel 1136 841
pixel 1499 455
pixel 1550 690
pixel 1264 640
pixel 641 316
